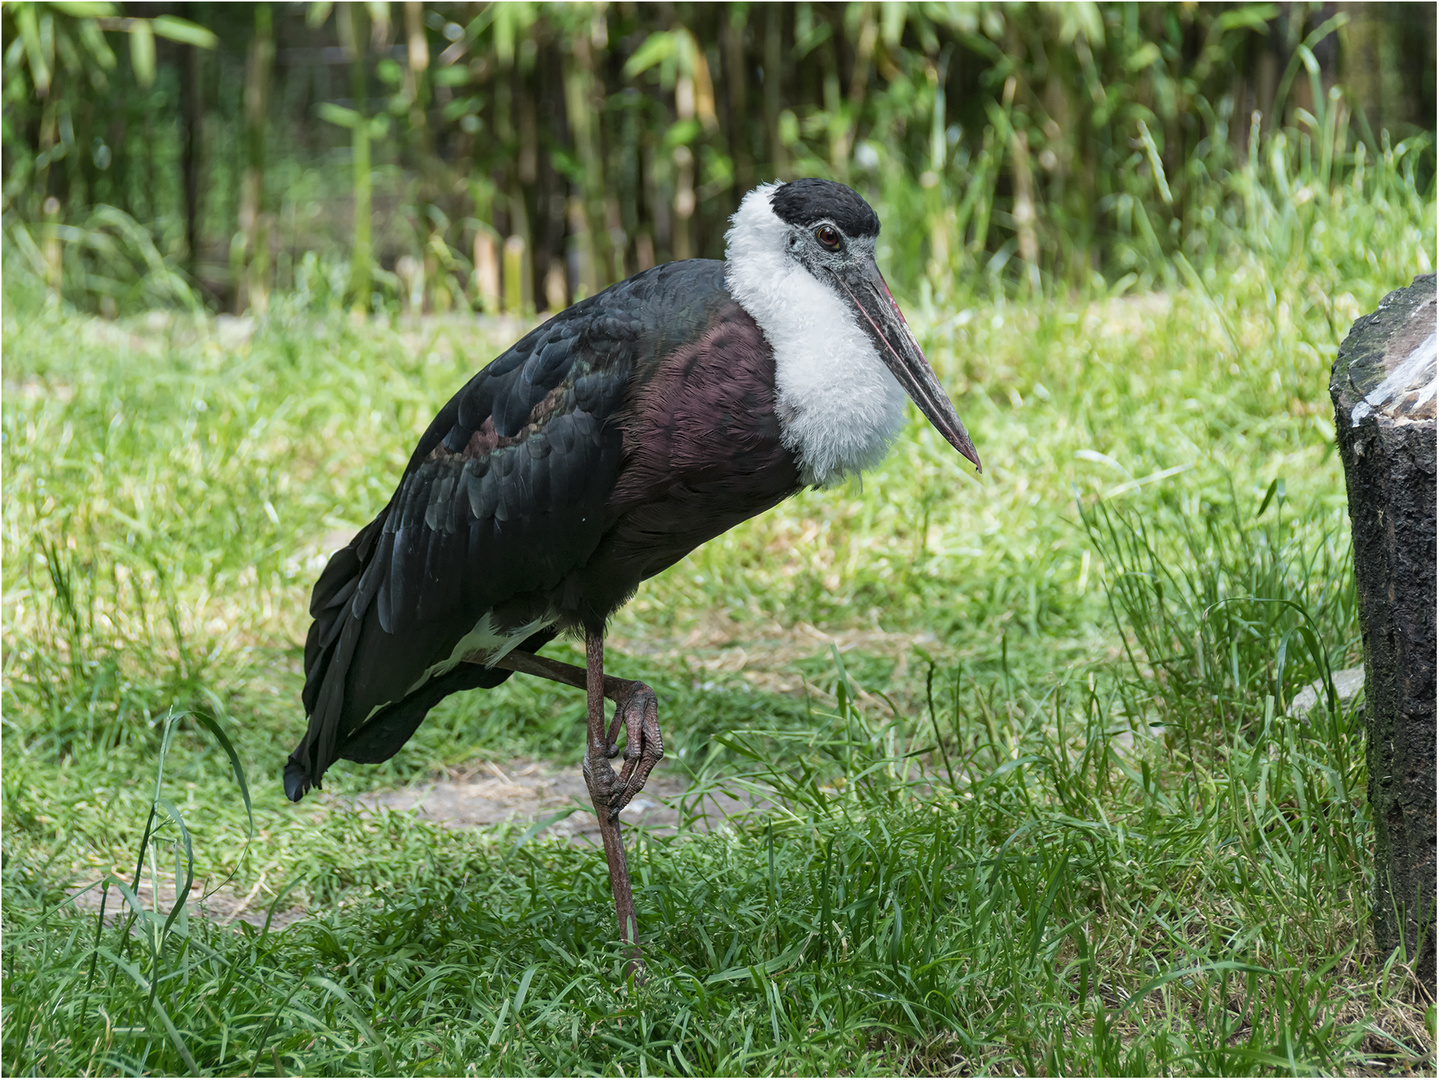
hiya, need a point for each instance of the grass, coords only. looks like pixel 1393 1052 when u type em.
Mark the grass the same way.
pixel 1038 804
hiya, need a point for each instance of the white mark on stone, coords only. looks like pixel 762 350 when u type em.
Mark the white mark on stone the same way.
pixel 1414 375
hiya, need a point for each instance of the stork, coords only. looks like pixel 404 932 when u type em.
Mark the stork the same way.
pixel 599 449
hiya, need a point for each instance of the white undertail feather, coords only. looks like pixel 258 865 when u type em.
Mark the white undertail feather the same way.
pixel 485 636
pixel 839 407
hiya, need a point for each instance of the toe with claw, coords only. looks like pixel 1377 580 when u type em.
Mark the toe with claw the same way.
pixel 638 714
pixel 644 748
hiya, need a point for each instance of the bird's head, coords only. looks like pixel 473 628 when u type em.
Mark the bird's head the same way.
pixel 826 232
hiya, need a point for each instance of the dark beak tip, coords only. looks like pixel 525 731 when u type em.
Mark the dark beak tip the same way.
pixel 961 441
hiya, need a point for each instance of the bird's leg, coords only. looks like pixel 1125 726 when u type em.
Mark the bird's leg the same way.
pixel 604 785
pixel 636 709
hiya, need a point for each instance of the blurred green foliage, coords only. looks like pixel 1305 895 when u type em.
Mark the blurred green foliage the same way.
pixel 1007 146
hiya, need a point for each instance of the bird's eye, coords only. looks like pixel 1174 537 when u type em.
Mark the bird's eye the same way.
pixel 827 235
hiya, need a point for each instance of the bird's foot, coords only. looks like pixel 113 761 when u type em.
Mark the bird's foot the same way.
pixel 639 715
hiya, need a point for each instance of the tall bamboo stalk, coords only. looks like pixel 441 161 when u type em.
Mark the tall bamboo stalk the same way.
pixel 584 104
pixel 523 178
pixel 192 118
pixel 519 299
pixel 252 266
pixel 773 79
pixel 417 92
pixel 486 249
pixel 1024 212
pixel 684 172
pixel 351 25
pixel 736 78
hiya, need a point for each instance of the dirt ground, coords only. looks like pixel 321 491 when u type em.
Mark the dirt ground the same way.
pixel 479 795
pixel 485 793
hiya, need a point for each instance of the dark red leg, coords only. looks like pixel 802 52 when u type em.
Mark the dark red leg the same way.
pixel 605 791
pixel 635 709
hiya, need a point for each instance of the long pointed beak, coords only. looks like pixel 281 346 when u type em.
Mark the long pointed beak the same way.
pixel 881 316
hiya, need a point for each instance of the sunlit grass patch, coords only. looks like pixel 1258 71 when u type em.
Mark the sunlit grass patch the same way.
pixel 1036 797
pixel 1032 890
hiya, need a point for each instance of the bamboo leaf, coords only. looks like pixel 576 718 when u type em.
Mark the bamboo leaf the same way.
pixel 93 39
pixel 338 114
pixel 142 52
pixel 461 107
pixel 453 75
pixel 34 52
pixel 183 31
pixel 657 48
pixel 80 10
pixel 1155 164
pixel 682 132
pixel 1255 17
pixel 1081 20
pixel 1142 57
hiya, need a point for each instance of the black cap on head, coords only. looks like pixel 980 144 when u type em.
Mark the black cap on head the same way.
pixel 803 202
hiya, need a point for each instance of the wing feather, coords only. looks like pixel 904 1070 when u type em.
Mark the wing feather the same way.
pixel 504 495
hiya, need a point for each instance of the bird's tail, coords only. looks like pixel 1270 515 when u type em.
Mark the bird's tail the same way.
pixel 329 647
pixel 382 734
pixel 297 779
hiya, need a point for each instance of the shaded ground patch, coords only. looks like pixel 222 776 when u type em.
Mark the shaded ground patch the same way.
pixel 483 794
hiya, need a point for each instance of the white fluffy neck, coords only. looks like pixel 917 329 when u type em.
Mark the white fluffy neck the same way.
pixel 839 407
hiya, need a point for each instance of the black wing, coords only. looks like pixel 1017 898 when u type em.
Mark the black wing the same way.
pixel 504 495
